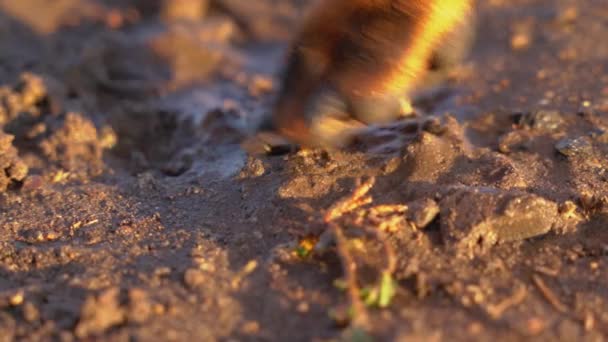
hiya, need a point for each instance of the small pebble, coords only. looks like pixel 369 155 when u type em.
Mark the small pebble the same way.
pixel 194 278
pixel 520 41
pixel 535 326
pixel 17 299
pixel 422 212
pixel 572 147
pixel 544 120
pixel 30 312
pixel 303 307
pixel 251 327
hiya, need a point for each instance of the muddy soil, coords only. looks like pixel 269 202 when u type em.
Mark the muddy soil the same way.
pixel 129 211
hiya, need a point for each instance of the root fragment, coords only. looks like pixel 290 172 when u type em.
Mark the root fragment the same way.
pixel 371 221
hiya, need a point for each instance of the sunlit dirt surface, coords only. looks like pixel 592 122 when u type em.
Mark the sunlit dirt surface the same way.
pixel 128 210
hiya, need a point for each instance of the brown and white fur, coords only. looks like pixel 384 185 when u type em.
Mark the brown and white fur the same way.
pixel 355 62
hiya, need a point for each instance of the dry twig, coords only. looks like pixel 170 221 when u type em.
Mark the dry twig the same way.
pixel 518 297
pixel 358 199
pixel 549 295
pixel 350 274
pixel 348 204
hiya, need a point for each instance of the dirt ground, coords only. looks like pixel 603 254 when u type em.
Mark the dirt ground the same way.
pixel 128 210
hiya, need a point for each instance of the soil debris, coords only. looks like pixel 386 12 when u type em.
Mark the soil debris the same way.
pixel 75 144
pixel 27 96
pixel 100 313
pixel 12 168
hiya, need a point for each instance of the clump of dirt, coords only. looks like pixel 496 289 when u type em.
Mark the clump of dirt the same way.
pixel 100 313
pixel 12 168
pixel 28 97
pixel 111 308
pixel 34 113
pixel 74 144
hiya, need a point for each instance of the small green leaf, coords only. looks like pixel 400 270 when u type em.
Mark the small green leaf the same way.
pixel 388 288
pixel 340 284
pixel 306 246
pixel 302 252
pixel 369 295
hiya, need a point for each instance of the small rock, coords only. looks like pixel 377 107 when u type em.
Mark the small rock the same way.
pixel 250 328
pixel 254 168
pixel 17 298
pixel 543 120
pixel 32 183
pixel 485 216
pixel 569 147
pixel 30 312
pixel 303 307
pixel 422 212
pixel 521 41
pixel 193 278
